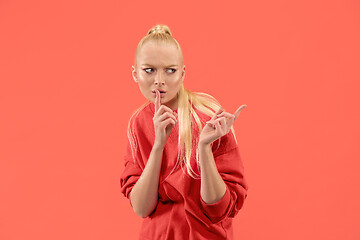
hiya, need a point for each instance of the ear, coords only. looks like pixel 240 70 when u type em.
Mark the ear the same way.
pixel 134 74
pixel 183 74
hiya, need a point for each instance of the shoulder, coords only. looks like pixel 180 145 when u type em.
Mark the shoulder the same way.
pixel 143 113
pixel 138 124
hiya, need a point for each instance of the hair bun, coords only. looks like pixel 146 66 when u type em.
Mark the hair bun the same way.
pixel 160 29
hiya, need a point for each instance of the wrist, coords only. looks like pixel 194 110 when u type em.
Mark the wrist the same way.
pixel 158 147
pixel 204 151
pixel 202 145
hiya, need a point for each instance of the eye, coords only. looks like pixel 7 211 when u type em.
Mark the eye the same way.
pixel 148 70
pixel 171 70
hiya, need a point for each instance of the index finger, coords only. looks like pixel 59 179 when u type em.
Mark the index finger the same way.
pixel 157 100
pixel 237 112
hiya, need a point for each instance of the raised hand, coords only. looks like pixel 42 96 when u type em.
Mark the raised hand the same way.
pixel 218 126
pixel 164 121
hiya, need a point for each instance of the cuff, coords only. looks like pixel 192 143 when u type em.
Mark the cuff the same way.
pixel 217 211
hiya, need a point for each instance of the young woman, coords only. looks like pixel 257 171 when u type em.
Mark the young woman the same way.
pixel 183 172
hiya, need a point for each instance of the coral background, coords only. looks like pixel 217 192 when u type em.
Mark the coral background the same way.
pixel 66 94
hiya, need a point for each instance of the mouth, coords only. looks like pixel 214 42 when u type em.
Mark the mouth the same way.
pixel 159 91
pixel 162 94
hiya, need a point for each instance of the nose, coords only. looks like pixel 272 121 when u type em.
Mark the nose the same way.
pixel 159 79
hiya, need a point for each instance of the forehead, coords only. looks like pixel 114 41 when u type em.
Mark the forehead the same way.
pixel 159 54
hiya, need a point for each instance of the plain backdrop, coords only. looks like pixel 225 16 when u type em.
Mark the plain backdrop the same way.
pixel 66 94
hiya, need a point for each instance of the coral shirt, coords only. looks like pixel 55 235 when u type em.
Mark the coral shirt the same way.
pixel 181 213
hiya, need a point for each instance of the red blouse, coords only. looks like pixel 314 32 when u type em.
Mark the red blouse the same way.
pixel 181 213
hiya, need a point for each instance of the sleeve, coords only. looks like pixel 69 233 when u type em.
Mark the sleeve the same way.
pixel 131 172
pixel 229 164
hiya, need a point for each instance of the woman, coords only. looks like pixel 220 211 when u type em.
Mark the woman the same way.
pixel 183 172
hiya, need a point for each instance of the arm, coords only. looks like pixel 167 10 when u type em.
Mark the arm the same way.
pixel 144 195
pixel 213 188
pixel 221 197
pixel 223 187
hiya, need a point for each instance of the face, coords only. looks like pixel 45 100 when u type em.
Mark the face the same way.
pixel 159 66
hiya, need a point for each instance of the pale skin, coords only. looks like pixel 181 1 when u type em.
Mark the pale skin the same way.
pixel 144 195
pixel 213 187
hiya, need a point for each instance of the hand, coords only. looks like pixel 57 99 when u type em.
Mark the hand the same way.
pixel 164 121
pixel 218 126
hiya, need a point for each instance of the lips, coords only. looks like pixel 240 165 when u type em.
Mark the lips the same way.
pixel 161 91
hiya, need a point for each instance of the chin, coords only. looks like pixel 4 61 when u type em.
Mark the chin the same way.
pixel 152 99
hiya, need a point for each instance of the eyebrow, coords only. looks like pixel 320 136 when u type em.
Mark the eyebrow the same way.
pixel 173 65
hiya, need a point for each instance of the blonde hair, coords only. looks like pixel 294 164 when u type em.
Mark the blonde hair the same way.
pixel 187 100
pixel 158 33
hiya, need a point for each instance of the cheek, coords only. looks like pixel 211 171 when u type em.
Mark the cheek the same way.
pixel 176 81
pixel 144 85
pixel 144 79
pixel 143 76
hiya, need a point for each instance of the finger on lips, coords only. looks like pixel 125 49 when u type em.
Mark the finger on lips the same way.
pixel 157 100
pixel 160 109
